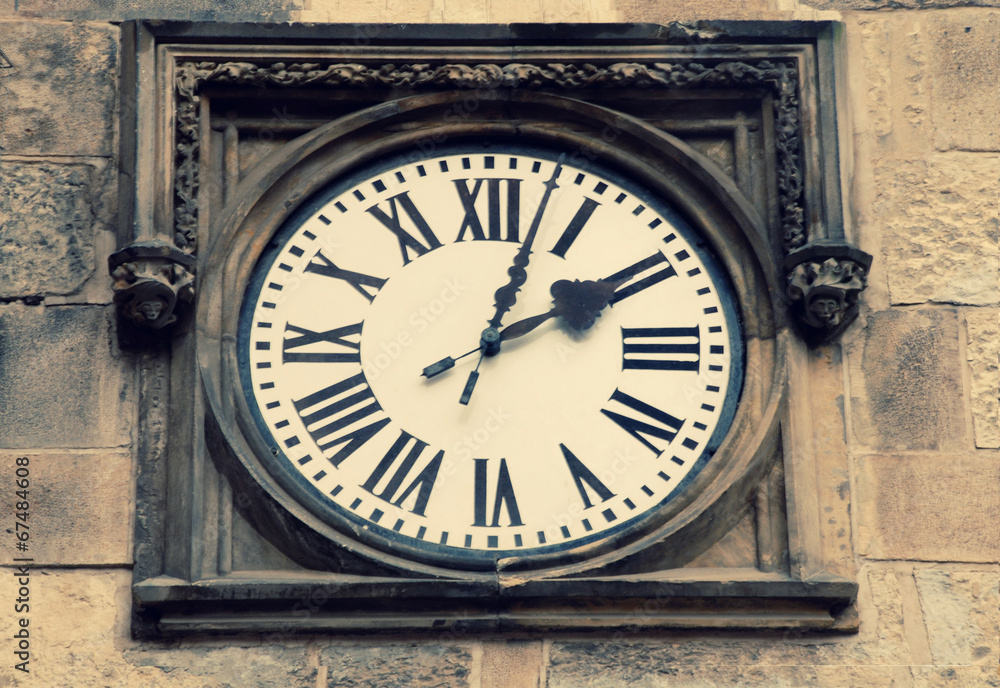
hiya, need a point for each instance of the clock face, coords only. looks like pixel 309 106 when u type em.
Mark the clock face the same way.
pixel 391 356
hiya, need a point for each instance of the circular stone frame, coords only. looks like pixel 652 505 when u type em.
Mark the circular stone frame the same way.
pixel 710 202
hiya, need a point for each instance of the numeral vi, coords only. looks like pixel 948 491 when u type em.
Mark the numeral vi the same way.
pixel 504 496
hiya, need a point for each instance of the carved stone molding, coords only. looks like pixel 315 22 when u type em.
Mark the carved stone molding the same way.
pixel 781 78
pixel 824 280
pixel 149 279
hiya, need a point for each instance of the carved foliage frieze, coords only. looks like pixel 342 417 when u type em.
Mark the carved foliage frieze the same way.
pixel 781 78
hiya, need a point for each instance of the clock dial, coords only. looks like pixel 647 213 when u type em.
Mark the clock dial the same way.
pixel 369 366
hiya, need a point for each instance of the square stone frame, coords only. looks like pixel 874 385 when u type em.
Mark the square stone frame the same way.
pixel 180 159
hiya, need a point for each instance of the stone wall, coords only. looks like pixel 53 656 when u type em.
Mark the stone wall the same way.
pixel 921 133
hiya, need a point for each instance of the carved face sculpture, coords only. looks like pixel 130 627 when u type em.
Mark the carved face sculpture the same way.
pixel 826 308
pixel 150 310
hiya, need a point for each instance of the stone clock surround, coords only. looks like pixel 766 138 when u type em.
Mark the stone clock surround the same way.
pixel 796 216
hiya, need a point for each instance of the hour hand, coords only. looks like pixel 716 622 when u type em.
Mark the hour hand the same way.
pixel 578 303
pixel 446 363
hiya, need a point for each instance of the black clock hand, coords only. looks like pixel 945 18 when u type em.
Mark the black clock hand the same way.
pixel 505 297
pixel 578 303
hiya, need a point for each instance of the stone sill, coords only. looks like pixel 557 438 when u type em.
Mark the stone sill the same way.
pixel 268 602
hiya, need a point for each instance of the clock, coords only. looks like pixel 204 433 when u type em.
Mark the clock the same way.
pixel 477 329
pixel 493 349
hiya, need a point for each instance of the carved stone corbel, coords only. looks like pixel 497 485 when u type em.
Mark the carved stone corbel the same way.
pixel 824 279
pixel 150 277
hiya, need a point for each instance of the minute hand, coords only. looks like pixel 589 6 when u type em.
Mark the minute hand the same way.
pixel 505 297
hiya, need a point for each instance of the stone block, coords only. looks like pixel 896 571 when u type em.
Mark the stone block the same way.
pixel 47 227
pixel 511 663
pixel 844 5
pixel 397 665
pixel 938 219
pixel 983 352
pixel 692 10
pixel 228 665
pixel 408 10
pixel 929 507
pixel 631 658
pixel 60 98
pixel 955 677
pixel 75 620
pixel 368 11
pixel 965 79
pixel 887 56
pixel 78 626
pixel 117 10
pixel 79 10
pixel 906 382
pixel 962 614
pixel 516 11
pixel 210 10
pixel 79 506
pixel 64 382
pixel 710 676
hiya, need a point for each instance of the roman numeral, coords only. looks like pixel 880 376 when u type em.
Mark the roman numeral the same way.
pixel 334 408
pixel 423 483
pixel 504 496
pixel 583 475
pixel 392 223
pixel 334 336
pixel 665 429
pixel 633 271
pixel 675 349
pixel 472 221
pixel 357 280
pixel 572 231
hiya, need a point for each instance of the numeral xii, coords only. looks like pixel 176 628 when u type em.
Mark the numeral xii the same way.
pixel 472 222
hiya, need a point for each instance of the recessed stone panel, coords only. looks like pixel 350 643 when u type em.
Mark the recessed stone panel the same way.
pixel 932 507
pixel 938 217
pixel 906 383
